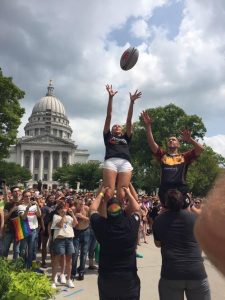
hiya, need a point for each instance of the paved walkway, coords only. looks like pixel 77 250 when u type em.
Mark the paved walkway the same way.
pixel 149 273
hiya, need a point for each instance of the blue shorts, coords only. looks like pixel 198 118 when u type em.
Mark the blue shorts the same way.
pixel 63 246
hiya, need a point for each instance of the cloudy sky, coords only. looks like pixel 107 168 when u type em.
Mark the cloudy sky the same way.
pixel 78 44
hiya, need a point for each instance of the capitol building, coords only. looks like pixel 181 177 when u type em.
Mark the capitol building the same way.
pixel 47 144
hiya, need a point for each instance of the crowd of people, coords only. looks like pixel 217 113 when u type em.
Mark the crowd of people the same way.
pixel 59 222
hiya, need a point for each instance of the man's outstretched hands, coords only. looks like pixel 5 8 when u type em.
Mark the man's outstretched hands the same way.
pixel 146 118
pixel 110 91
pixel 186 135
pixel 135 96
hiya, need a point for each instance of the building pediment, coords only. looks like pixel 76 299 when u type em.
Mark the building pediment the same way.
pixel 46 139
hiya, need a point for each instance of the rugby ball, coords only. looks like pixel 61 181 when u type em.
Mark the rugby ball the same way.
pixel 129 58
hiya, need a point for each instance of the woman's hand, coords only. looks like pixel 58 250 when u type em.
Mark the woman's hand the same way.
pixel 135 96
pixel 110 90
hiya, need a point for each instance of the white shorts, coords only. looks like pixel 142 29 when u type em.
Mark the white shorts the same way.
pixel 118 165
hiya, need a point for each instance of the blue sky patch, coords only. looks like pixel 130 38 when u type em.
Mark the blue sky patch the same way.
pixel 168 17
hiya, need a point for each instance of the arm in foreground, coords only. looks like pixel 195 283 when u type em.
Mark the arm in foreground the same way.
pixel 99 205
pixel 209 225
pixel 132 206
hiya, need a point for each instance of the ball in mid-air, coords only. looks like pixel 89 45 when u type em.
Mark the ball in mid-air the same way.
pixel 129 58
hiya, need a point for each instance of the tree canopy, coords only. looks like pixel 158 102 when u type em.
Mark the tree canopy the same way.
pixel 12 173
pixel 169 121
pixel 10 113
pixel 87 174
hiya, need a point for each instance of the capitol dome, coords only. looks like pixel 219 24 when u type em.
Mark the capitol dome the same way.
pixel 49 103
pixel 48 117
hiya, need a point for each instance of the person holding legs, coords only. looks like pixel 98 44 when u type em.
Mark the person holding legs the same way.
pixel 117 166
pixel 117 236
pixel 182 270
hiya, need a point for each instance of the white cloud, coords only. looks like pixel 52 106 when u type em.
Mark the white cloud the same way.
pixel 217 143
pixel 69 44
pixel 140 29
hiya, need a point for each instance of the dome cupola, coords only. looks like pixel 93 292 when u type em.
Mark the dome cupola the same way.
pixel 49 116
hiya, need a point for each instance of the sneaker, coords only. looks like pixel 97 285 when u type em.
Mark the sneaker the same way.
pixel 62 279
pixel 56 281
pixel 138 255
pixel 54 285
pixel 69 283
pixel 80 276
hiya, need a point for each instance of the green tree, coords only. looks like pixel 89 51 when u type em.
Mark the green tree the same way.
pixel 10 113
pixel 87 174
pixel 167 121
pixel 13 173
pixel 203 172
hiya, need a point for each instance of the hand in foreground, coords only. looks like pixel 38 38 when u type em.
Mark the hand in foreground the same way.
pixel 146 118
pixel 135 96
pixel 110 90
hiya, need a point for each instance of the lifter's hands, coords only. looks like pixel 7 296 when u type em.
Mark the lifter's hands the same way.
pixel 127 190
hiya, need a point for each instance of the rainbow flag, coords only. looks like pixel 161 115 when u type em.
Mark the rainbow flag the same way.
pixel 22 228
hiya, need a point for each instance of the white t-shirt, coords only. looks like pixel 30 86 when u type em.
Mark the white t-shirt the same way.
pixel 31 215
pixel 65 231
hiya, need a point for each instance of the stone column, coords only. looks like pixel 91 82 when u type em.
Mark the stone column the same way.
pixel 69 158
pixel 22 158
pixel 40 175
pixel 31 162
pixel 60 159
pixel 50 166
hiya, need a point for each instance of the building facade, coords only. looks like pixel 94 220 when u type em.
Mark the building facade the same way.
pixel 47 143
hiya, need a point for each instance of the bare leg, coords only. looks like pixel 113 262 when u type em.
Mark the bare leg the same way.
pixel 68 266
pixel 109 180
pixel 123 180
pixel 55 260
pixel 62 263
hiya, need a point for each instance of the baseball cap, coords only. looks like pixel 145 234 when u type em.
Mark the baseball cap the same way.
pixel 114 207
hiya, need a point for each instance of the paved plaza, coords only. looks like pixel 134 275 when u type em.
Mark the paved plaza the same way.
pixel 149 273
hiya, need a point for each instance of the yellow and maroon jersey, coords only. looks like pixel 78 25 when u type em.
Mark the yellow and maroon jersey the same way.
pixel 174 166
